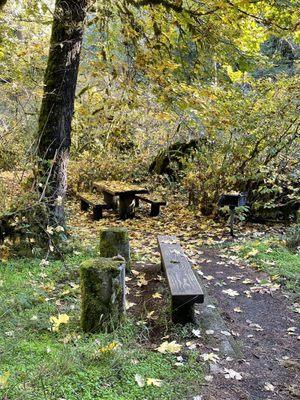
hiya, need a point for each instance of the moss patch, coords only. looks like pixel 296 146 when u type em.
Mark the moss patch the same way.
pixel 113 242
pixel 68 364
pixel 272 256
pixel 102 292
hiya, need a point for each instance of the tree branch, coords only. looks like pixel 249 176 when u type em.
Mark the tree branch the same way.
pixel 257 18
pixel 170 6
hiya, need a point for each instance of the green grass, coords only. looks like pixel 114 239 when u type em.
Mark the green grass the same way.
pixel 67 364
pixel 274 258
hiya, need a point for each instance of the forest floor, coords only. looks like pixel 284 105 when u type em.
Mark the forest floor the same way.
pixel 254 283
pixel 253 286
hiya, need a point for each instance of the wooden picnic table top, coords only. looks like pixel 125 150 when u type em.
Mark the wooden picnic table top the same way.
pixel 116 188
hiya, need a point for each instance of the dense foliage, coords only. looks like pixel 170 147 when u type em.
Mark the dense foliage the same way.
pixel 154 72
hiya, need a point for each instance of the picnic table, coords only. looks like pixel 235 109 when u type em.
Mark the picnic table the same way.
pixel 126 193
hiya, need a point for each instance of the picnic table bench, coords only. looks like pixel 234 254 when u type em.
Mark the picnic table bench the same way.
pixel 184 286
pixel 124 191
pixel 88 200
pixel 155 202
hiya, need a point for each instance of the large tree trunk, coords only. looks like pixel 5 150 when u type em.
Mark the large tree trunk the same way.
pixel 2 4
pixel 54 133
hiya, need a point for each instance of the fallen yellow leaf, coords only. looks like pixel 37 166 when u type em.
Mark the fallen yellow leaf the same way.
pixel 169 347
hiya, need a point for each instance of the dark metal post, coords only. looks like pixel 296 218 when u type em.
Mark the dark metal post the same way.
pixel 232 209
pixel 154 210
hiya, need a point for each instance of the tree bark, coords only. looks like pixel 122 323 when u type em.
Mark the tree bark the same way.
pixel 115 242
pixel 54 131
pixel 2 4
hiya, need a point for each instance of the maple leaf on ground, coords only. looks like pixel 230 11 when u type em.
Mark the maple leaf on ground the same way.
pixel 231 293
pixel 226 333
pixel 154 382
pixel 3 379
pixel 57 321
pixel 151 315
pixel 196 332
pixel 208 277
pixel 269 387
pixel 252 253
pixel 110 347
pixel 139 380
pixel 231 374
pixel 129 305
pixel 237 310
pixel 211 306
pixel 157 295
pixel 169 347
pixel 142 281
pixel 210 357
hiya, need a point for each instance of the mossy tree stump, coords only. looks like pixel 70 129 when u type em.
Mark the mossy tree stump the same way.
pixel 114 242
pixel 102 293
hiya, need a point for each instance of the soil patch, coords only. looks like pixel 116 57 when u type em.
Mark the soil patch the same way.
pixel 262 320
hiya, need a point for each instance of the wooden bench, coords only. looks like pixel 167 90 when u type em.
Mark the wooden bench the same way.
pixel 184 286
pixel 88 200
pixel 155 203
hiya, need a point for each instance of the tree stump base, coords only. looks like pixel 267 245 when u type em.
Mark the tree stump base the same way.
pixel 103 294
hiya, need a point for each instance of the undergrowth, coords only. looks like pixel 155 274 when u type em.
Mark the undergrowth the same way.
pixel 272 256
pixel 39 363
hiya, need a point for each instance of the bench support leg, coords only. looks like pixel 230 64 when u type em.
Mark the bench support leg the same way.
pixel 182 313
pixel 84 206
pixel 2 233
pixel 97 212
pixel 127 206
pixel 110 200
pixel 154 210
pixel 232 210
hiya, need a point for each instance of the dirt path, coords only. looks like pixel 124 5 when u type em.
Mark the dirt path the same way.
pixel 260 318
pixel 262 321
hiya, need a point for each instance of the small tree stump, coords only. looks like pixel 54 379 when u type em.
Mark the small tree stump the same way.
pixel 114 242
pixel 102 293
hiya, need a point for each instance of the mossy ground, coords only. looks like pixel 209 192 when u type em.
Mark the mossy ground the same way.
pixel 67 364
pixel 272 256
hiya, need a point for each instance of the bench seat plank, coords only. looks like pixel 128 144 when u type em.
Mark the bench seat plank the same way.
pixel 181 278
pixel 92 199
pixel 155 203
pixel 151 200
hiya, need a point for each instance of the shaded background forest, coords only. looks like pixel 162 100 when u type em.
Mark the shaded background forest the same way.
pixel 222 84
